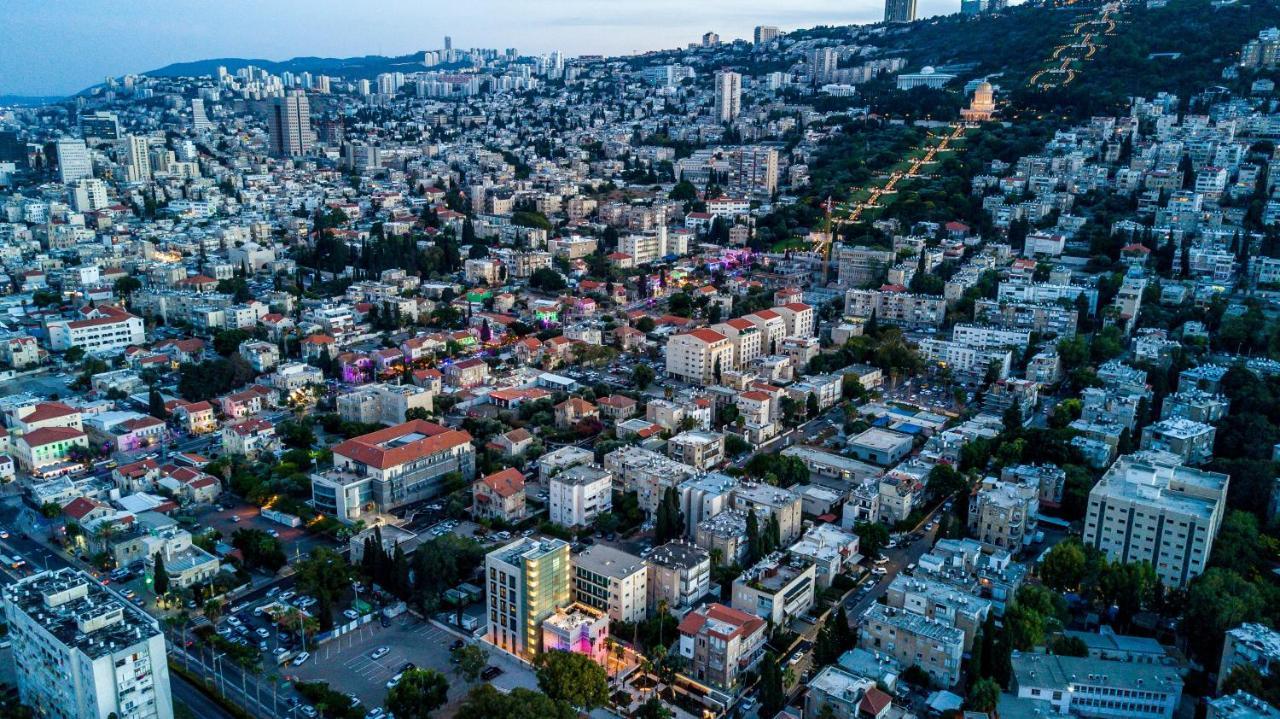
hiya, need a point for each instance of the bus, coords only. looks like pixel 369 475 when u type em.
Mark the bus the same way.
pixel 14 562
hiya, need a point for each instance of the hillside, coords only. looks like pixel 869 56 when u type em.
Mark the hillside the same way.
pixel 368 66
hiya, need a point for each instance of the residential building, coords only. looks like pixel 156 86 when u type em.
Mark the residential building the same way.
pixel 500 495
pixel 1188 439
pixel 841 694
pixel 941 602
pixel 679 576
pixel 897 11
pixel 778 502
pixel 579 494
pixel 80 650
pixel 1250 644
pixel 775 589
pixel 383 403
pixel 1241 705
pixel 289 125
pixel 47 446
pixel 526 582
pixel 1003 513
pixel 728 95
pixel 613 582
pixel 1162 513
pixel 911 638
pixel 700 450
pixel 721 644
pixel 698 357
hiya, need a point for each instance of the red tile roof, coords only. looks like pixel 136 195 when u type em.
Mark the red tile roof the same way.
pixel 506 483
pixel 372 449
pixel 49 435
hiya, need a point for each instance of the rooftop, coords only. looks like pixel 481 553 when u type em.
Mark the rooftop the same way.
pixel 1065 673
pixel 81 613
pixel 607 561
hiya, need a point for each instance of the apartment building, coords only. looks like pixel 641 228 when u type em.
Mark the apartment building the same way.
pixel 1035 292
pixel 884 447
pixel 721 644
pixel 965 362
pixel 724 536
pixel 1084 686
pixel 1195 405
pixel 776 589
pixel 47 446
pixel 700 450
pixel 679 576
pixel 1254 645
pixel 526 582
pixel 383 403
pixel 765 499
pixel 646 473
pixel 500 495
pixel 1188 439
pixel 80 650
pixel 798 319
pixel 990 337
pixel 746 339
pixel 612 581
pixel 903 309
pixel 1162 513
pixel 772 330
pixel 392 467
pixel 698 357
pixel 102 329
pixel 859 265
pixel 841 694
pixel 941 602
pixel 578 494
pixel 1043 317
pixel 911 638
pixel 1003 513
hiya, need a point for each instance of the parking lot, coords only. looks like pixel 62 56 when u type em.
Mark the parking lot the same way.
pixel 295 540
pixel 347 663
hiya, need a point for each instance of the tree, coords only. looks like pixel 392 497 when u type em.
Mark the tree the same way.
pixel 159 577
pixel 155 404
pixel 652 709
pixel 470 660
pixel 572 678
pixel 642 376
pixel 872 536
pixel 127 285
pixel 811 405
pixel 420 692
pixel 772 696
pixel 486 702
pixel 944 481
pixel 984 694
pixel 1068 646
pixel 669 520
pixel 547 280
pixel 1063 567
pixel 755 547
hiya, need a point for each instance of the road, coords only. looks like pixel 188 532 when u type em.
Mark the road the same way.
pixel 200 706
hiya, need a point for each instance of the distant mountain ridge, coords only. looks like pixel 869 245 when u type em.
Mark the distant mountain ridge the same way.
pixel 355 68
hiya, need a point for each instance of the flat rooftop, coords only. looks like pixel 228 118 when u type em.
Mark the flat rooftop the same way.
pixel 81 613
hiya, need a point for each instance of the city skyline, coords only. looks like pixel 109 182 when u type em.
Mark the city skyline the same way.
pixel 36 63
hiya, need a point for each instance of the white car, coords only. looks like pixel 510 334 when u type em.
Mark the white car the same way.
pixel 233 621
pixel 301 659
pixel 393 681
pixel 380 652
pixel 879 571
pixel 351 614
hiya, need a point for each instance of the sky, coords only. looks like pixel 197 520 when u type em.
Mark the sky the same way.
pixel 59 47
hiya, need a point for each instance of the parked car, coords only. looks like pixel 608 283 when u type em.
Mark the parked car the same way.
pixel 301 659
pixel 393 681
pixel 490 672
pixel 351 614
pixel 380 652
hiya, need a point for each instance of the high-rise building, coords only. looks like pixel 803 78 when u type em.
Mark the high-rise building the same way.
pixel 199 120
pixel 12 149
pixel 1145 509
pixel 823 62
pixel 89 194
pixel 289 120
pixel 728 95
pixel 710 39
pixel 138 163
pixel 899 10
pixel 73 160
pixel 527 581
pixel 82 651
pixel 448 42
pixel 100 125
pixel 765 34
